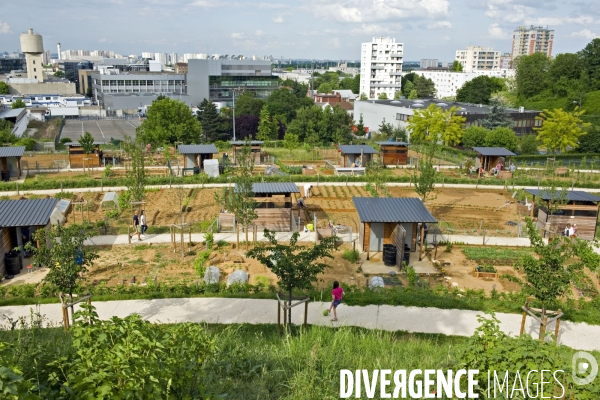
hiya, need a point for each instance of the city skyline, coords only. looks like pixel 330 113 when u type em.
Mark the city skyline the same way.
pixel 304 29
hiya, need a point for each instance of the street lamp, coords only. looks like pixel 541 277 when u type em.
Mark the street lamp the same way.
pixel 233 110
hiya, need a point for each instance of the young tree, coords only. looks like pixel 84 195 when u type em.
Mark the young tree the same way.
pixel 136 176
pixel 61 250
pixel 325 88
pixel 502 137
pixel 434 124
pixel 456 66
pixel 267 127
pixel 363 97
pixel 561 129
pixel 497 117
pixel 424 175
pixel 312 137
pixel 382 96
pixel 397 95
pixel 243 197
pixel 407 88
pixel 169 121
pixel 19 103
pixel 474 136
pixel 296 266
pixel 413 95
pixel 4 88
pixel 290 141
pixel 6 135
pixel 360 127
pixel 529 144
pixel 208 116
pixel 87 142
pixel 386 128
pixel 425 87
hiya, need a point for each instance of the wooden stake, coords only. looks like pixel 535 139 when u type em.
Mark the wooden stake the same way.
pixel 557 328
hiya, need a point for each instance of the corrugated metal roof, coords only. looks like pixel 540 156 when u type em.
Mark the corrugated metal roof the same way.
pixel 197 149
pixel 12 151
pixel 392 209
pixel 26 212
pixel 392 143
pixel 273 187
pixel 243 142
pixel 77 144
pixel 356 149
pixel 572 195
pixel 493 151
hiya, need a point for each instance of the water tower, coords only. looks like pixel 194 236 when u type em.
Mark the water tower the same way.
pixel 33 47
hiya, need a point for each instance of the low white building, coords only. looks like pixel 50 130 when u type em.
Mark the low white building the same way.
pixel 447 83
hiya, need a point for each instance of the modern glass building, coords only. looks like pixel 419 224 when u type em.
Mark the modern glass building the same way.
pixel 221 87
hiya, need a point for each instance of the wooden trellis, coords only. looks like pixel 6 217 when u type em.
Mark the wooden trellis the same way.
pixel 282 305
pixel 541 316
pixel 183 227
pixel 65 305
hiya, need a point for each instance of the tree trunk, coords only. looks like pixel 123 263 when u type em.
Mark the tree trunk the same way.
pixel 543 324
pixel 72 309
pixel 246 229
pixel 290 310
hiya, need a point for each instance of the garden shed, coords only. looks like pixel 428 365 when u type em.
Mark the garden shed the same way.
pixel 195 154
pixel 10 162
pixel 19 219
pixel 274 206
pixel 385 221
pixel 581 208
pixel 355 155
pixel 489 157
pixel 255 149
pixel 78 158
pixel 393 153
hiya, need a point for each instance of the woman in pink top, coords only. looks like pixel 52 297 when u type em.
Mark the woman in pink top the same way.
pixel 337 293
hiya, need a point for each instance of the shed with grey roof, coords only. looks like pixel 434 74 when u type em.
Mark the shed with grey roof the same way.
pixel 195 154
pixel 355 155
pixel 19 219
pixel 560 209
pixel 10 162
pixel 385 220
pixel 255 150
pixel 490 157
pixel 79 159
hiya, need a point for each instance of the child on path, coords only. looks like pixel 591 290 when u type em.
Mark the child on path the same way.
pixel 136 226
pixel 337 293
pixel 143 223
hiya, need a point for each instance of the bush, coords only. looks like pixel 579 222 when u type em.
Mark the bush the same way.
pixel 351 255
pixel 64 195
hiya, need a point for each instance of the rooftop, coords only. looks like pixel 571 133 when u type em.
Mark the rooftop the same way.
pixel 197 149
pixel 356 149
pixel 392 143
pixel 26 212
pixel 77 144
pixel 572 195
pixel 12 151
pixel 493 151
pixel 273 187
pixel 12 113
pixel 243 142
pixel 462 107
pixel 392 209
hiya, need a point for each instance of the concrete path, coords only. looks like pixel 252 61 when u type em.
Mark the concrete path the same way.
pixel 253 311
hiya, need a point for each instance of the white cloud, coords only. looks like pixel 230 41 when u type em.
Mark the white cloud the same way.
pixel 335 43
pixel 440 25
pixel 585 33
pixel 554 21
pixel 279 19
pixel 376 30
pixel 237 35
pixel 358 11
pixel 206 3
pixel 271 6
pixel 508 10
pixel 104 40
pixel 495 31
pixel 4 28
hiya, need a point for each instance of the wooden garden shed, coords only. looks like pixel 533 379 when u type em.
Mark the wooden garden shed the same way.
pixel 393 153
pixel 355 155
pixel 10 162
pixel 382 219
pixel 78 158
pixel 489 157
pixel 581 209
pixel 255 149
pixel 195 154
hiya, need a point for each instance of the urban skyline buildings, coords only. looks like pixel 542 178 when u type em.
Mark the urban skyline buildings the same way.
pixel 530 40
pixel 381 67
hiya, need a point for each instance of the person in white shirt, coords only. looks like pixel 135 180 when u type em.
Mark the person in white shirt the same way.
pixel 143 223
pixel 572 231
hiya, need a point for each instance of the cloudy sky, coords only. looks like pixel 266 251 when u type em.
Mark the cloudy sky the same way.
pixel 321 29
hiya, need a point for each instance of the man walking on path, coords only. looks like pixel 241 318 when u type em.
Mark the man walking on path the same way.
pixel 136 226
pixel 143 223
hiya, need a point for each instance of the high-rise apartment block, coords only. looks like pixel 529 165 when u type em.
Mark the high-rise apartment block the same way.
pixel 478 58
pixel 381 67
pixel 33 48
pixel 428 63
pixel 535 39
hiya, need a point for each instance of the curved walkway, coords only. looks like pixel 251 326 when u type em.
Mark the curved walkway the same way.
pixel 254 311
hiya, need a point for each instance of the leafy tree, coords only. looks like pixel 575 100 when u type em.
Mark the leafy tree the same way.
pixel 296 266
pixel 19 103
pixel 397 95
pixel 474 136
pixel 28 142
pixel 456 66
pixel 246 126
pixel 532 74
pixel 325 88
pixel 386 128
pixel 311 138
pixel 529 144
pixel 502 137
pixel 332 78
pixel 243 205
pixel 61 250
pixel 434 124
pixel 305 120
pixel 351 83
pixel 360 127
pixel 6 135
pixel 407 88
pixel 424 175
pixel 590 142
pixel 267 127
pixel 497 117
pixel 290 141
pixel 413 95
pixel 87 142
pixel 59 74
pixel 425 87
pixel 479 90
pixel 209 119
pixel 561 129
pixel 4 88
pixel 135 179
pixel 565 65
pixel 590 56
pixel 248 104
pixel 299 89
pixel 169 121
pixel 382 96
pixel 400 134
pixel 363 97
pixel 283 102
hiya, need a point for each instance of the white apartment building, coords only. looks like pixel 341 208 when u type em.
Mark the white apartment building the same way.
pixel 147 54
pixel 161 57
pixel 428 63
pixel 447 83
pixel 381 67
pixel 478 58
pixel 535 39
pixel 505 61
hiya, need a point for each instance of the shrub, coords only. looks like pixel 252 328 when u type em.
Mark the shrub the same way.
pixel 449 247
pixel 64 195
pixel 210 240
pixel 351 255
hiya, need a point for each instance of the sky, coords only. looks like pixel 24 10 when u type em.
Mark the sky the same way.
pixel 312 29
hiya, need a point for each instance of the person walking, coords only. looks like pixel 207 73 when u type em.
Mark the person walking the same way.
pixel 136 226
pixel 143 223
pixel 337 293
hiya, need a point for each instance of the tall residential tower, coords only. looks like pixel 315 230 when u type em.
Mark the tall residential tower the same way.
pixel 381 67
pixel 535 39
pixel 33 47
pixel 478 58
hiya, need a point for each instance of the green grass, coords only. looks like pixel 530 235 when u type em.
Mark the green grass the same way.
pixel 495 255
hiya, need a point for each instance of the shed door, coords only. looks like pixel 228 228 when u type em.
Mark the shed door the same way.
pixel 376 239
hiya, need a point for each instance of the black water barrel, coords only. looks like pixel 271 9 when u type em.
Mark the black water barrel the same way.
pixel 5 176
pixel 406 254
pixel 389 254
pixel 12 263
